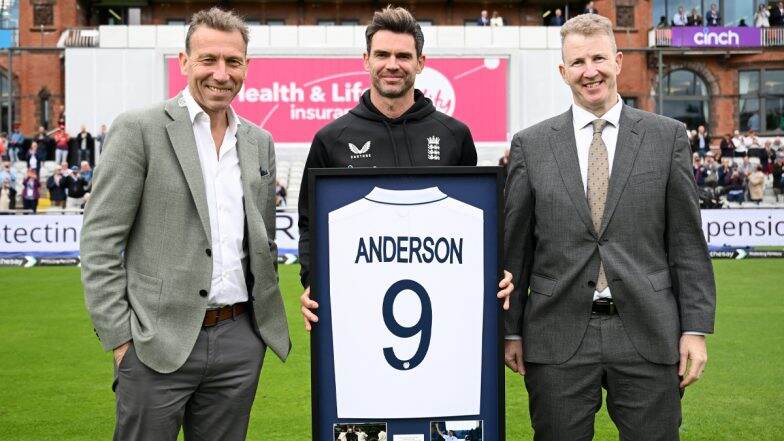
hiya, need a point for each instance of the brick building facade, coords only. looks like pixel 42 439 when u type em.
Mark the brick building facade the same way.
pixel 39 73
pixel 37 62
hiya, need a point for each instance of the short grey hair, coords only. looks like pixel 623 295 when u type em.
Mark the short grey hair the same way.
pixel 217 18
pixel 589 25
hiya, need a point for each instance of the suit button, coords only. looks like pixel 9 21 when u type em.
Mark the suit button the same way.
pixel 591 283
pixel 209 252
pixel 203 292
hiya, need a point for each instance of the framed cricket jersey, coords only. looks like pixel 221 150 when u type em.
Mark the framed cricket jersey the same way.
pixel 405 264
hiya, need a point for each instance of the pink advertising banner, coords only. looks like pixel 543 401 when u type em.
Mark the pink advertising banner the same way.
pixel 295 97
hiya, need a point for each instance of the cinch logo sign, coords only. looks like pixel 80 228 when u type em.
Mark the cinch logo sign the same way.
pixel 727 38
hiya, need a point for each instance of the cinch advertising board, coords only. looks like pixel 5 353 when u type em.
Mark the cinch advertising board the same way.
pixel 405 267
pixel 723 37
pixel 293 97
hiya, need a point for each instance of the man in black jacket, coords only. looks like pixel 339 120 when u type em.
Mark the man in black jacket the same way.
pixel 56 185
pixel 393 125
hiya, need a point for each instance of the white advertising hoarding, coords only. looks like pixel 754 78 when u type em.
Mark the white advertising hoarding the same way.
pixel 743 227
pixel 47 235
pixel 40 234
pixel 58 235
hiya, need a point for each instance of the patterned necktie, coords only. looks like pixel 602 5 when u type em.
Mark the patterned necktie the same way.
pixel 598 181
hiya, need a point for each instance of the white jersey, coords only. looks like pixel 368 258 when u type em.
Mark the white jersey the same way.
pixel 406 292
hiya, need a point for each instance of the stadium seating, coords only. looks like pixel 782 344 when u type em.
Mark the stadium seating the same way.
pixel 291 165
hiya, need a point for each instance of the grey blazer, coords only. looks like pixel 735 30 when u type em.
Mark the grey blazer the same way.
pixel 651 242
pixel 145 244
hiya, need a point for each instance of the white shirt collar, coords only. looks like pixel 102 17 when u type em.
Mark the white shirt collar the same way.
pixel 194 109
pixel 405 197
pixel 582 117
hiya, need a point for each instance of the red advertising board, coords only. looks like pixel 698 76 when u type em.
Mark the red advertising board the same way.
pixel 294 97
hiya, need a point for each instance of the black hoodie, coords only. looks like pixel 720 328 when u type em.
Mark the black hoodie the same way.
pixel 364 137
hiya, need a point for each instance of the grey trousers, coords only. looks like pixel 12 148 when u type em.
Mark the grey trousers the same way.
pixel 210 396
pixel 643 398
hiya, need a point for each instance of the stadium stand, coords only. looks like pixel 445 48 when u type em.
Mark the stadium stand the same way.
pixel 291 163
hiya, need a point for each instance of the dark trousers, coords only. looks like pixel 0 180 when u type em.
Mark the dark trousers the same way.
pixel 30 204
pixel 210 396
pixel 643 398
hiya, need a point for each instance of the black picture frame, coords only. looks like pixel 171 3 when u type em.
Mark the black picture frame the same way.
pixel 320 206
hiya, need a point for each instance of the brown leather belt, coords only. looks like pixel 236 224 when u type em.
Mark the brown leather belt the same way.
pixel 214 316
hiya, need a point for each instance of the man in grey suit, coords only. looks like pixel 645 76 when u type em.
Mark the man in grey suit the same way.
pixel 178 251
pixel 603 227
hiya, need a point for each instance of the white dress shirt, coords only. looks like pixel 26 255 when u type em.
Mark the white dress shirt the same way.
pixel 583 134
pixel 680 20
pixel 223 187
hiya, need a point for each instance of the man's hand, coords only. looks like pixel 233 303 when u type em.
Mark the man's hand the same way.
pixel 507 287
pixel 119 352
pixel 513 356
pixel 307 307
pixel 694 356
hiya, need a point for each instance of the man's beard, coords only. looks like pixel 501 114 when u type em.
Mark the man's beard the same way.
pixel 408 83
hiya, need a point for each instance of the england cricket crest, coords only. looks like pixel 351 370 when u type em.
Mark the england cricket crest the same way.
pixel 434 148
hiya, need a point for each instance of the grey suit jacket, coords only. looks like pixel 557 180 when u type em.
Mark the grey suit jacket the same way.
pixel 146 236
pixel 651 243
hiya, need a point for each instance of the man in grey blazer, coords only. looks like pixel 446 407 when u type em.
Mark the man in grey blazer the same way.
pixel 603 227
pixel 178 251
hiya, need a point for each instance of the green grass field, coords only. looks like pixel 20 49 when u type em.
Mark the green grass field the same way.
pixel 55 380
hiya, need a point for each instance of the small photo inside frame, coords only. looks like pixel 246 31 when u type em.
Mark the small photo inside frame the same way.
pixel 405 264
pixel 360 432
pixel 456 430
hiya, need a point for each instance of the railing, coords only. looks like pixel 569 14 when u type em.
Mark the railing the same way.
pixel 87 37
pixel 773 37
pixel 662 37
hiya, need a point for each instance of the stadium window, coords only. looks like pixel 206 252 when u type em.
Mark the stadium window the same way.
pixel 731 11
pixel 253 22
pixel 4 101
pixel 624 15
pixel 425 22
pixel 326 22
pixel 761 100
pixel 276 22
pixel 43 14
pixel 630 101
pixel 175 22
pixel 43 107
pixel 686 98
pixel 349 22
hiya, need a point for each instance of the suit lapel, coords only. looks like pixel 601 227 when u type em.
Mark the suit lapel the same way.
pixel 626 148
pixel 564 149
pixel 184 143
pixel 248 154
pixel 250 171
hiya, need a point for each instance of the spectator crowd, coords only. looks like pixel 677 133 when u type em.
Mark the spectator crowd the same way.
pixel 737 168
pixel 766 15
pixel 47 164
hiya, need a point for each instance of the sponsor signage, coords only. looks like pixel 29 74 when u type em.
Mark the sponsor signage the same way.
pixel 44 240
pixel 295 97
pixel 720 37
pixel 743 227
pixel 47 234
pixel 54 239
